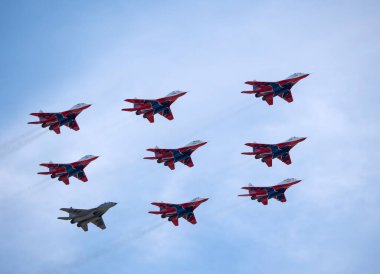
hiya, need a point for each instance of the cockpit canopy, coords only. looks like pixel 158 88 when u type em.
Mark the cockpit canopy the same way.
pixel 174 93
pixel 287 181
pixel 295 75
pixel 79 105
pixel 293 139
pixel 193 143
pixel 87 157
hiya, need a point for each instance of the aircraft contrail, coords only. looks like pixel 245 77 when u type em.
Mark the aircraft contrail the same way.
pixel 116 244
pixel 19 142
pixel 32 187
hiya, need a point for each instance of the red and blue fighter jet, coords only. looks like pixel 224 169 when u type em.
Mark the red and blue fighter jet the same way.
pixel 267 152
pixel 268 90
pixel 263 193
pixel 64 171
pixel 175 211
pixel 149 107
pixel 170 156
pixel 54 120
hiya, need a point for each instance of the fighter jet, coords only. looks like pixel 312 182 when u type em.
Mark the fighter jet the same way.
pixel 84 216
pixel 175 211
pixel 267 152
pixel 150 107
pixel 268 90
pixel 170 156
pixel 263 193
pixel 54 120
pixel 64 171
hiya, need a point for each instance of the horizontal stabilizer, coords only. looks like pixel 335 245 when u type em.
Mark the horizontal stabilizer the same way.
pixel 35 123
pixel 151 158
pixel 244 195
pixel 64 218
pixel 41 114
pixel 155 212
pixel 45 173
pixel 129 109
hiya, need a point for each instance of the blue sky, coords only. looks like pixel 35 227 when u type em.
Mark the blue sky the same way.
pixel 56 54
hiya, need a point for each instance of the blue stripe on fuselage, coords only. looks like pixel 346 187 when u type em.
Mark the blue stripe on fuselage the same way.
pixel 278 89
pixel 178 156
pixel 276 151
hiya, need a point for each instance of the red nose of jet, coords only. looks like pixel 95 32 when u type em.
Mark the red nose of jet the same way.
pixel 203 200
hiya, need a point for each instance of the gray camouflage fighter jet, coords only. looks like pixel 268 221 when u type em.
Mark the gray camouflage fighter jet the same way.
pixel 84 216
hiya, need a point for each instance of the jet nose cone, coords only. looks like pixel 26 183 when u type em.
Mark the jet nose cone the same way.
pixel 114 204
pixel 181 93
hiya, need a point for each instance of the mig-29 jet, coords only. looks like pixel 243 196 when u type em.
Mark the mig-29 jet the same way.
pixel 175 211
pixel 54 120
pixel 150 107
pixel 170 156
pixel 64 171
pixel 267 152
pixel 84 216
pixel 263 193
pixel 268 90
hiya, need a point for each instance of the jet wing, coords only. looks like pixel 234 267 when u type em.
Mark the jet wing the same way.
pixel 84 226
pixel 287 97
pixel 264 201
pixel 73 125
pixel 190 217
pixel 167 113
pixel 268 161
pixel 188 162
pixel 174 220
pixel 170 164
pixel 150 116
pixel 99 223
pixel 55 128
pixel 269 99
pixel 64 179
pixel 81 176
pixel 281 198
pixel 285 159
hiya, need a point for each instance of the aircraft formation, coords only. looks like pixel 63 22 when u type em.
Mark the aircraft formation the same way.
pixel 168 156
